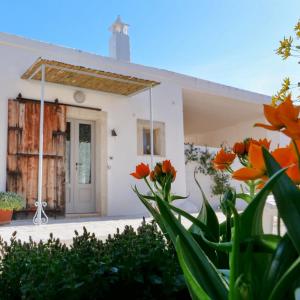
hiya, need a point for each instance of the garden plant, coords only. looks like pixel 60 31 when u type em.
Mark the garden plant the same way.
pixel 131 264
pixel 9 202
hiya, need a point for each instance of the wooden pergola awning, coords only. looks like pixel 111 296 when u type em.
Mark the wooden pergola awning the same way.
pixel 82 77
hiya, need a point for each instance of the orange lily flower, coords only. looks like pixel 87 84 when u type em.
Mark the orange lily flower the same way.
pixel 223 159
pixel 239 148
pixel 168 169
pixel 284 118
pixel 261 142
pixel 166 166
pixel 287 157
pixel 141 171
pixel 157 169
pixel 257 167
pixel 173 172
pixel 152 176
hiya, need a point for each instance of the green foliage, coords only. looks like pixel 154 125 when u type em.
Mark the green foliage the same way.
pixel 254 265
pixel 131 265
pixel 11 201
pixel 204 158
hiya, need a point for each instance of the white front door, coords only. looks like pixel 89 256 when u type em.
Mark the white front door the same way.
pixel 80 171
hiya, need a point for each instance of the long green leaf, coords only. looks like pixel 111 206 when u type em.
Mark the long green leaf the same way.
pixel 252 264
pixel 207 215
pixel 283 258
pixel 235 254
pixel 247 198
pixel 151 209
pixel 287 281
pixel 195 288
pixel 204 228
pixel 198 263
pixel 251 218
pixel 287 197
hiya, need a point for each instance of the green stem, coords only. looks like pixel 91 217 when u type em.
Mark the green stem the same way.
pixel 297 152
pixel 149 186
pixel 234 256
pixel 251 184
pixel 229 169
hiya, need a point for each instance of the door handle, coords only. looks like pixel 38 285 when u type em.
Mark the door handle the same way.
pixel 77 164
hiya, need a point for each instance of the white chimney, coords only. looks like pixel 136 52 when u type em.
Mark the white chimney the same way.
pixel 119 46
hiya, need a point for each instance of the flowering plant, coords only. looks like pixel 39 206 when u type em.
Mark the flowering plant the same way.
pixel 236 259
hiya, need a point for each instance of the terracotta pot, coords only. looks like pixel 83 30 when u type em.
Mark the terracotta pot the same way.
pixel 5 216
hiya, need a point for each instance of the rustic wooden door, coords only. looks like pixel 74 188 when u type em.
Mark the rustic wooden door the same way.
pixel 23 149
pixel 80 166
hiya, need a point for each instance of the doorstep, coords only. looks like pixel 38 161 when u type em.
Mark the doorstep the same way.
pixel 82 215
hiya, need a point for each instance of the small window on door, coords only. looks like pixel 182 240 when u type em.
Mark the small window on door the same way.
pixel 68 152
pixel 144 138
pixel 85 153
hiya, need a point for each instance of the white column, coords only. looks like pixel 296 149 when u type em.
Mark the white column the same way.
pixel 40 216
pixel 151 128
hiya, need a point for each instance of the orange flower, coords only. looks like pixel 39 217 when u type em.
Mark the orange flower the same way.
pixel 261 142
pixel 173 172
pixel 287 157
pixel 152 176
pixel 239 148
pixel 284 118
pixel 157 169
pixel 166 166
pixel 223 159
pixel 292 129
pixel 141 171
pixel 257 168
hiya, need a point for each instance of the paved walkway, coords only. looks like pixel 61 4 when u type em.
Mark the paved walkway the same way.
pixel 64 228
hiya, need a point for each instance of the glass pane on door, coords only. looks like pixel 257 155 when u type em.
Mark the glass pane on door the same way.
pixel 85 154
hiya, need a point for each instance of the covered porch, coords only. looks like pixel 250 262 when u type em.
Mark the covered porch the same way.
pixel 220 116
pixel 211 119
pixel 57 150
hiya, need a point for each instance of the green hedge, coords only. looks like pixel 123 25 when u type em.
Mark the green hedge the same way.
pixel 130 265
pixel 11 201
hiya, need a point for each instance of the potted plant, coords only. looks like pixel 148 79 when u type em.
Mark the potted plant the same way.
pixel 8 203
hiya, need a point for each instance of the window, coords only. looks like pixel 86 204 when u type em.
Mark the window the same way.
pixel 144 138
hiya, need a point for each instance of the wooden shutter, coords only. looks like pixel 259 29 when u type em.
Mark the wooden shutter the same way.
pixel 23 150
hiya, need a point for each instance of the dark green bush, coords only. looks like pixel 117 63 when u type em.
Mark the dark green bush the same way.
pixel 133 265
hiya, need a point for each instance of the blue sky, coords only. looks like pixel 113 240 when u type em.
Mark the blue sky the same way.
pixel 231 42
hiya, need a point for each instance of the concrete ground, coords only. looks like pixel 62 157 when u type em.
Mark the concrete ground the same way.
pixel 64 228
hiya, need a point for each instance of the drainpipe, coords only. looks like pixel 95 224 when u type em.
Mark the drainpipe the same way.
pixel 40 217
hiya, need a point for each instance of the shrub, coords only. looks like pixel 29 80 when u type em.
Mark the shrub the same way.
pixel 11 201
pixel 133 264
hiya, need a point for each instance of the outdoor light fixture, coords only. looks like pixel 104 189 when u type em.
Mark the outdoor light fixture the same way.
pixel 113 132
pixel 79 96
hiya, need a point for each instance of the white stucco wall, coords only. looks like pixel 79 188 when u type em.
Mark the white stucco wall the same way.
pixel 231 134
pixel 17 54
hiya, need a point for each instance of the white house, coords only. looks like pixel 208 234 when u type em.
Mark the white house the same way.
pixel 97 122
